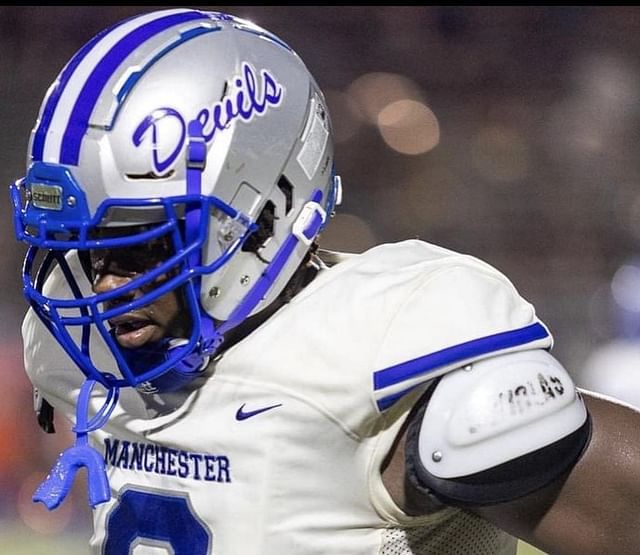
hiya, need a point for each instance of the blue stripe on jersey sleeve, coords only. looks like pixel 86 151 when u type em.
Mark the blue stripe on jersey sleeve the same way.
pixel 385 402
pixel 464 351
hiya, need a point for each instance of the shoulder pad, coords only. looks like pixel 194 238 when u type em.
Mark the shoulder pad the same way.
pixel 497 430
pixel 496 410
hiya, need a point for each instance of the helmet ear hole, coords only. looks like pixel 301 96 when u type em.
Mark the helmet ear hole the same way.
pixel 265 223
pixel 287 188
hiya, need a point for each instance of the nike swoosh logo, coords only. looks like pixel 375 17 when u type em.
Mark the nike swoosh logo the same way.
pixel 241 414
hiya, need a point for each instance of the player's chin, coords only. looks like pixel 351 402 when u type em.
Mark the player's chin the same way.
pixel 134 339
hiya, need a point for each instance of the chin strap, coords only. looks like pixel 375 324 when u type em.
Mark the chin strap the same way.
pixel 190 365
pixel 210 337
pixel 56 486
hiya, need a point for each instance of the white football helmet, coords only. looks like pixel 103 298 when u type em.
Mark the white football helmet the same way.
pixel 212 132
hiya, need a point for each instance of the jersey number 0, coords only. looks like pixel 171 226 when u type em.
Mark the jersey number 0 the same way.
pixel 143 517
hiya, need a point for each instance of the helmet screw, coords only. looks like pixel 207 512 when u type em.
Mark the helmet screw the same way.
pixel 468 367
pixel 436 456
pixel 71 201
pixel 244 280
pixel 214 292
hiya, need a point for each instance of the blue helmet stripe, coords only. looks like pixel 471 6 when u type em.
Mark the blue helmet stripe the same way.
pixel 88 97
pixel 134 77
pixel 37 148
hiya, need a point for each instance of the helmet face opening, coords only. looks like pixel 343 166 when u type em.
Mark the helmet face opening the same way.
pixel 149 267
pixel 187 157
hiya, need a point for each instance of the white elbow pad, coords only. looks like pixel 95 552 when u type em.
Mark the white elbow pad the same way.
pixel 498 429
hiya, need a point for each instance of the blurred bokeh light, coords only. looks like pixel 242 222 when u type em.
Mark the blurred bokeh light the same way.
pixel 409 127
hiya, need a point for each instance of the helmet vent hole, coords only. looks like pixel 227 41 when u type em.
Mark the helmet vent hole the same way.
pixel 149 175
pixel 265 220
pixel 285 186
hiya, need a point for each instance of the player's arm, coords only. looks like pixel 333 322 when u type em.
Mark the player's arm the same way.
pixel 595 507
pixel 510 439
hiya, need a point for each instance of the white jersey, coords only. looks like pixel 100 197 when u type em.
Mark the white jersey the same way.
pixel 279 451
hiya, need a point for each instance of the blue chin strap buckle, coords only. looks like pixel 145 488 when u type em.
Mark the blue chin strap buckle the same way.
pixel 190 365
pixel 56 486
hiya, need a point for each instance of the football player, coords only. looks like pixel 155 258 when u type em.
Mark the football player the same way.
pixel 235 389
